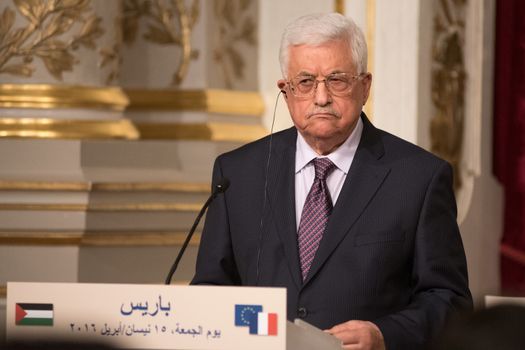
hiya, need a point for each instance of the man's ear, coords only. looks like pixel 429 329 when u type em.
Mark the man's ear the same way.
pixel 367 81
pixel 281 84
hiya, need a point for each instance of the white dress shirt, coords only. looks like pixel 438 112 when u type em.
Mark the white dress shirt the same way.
pixel 342 157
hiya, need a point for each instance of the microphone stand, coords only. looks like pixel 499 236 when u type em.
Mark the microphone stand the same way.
pixel 221 186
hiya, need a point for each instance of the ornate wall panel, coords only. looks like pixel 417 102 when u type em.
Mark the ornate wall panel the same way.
pixel 448 84
pixel 57 55
pixel 459 79
pixel 175 49
pixel 57 59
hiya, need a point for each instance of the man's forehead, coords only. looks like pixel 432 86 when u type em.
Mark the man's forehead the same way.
pixel 315 69
pixel 307 73
pixel 330 57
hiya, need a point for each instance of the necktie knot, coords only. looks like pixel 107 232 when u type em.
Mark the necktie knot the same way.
pixel 323 167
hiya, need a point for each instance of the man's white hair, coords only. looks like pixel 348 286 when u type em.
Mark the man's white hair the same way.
pixel 317 29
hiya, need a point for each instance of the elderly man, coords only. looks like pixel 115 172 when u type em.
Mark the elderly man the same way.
pixel 357 224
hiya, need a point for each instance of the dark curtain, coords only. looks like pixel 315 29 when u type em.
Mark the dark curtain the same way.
pixel 509 138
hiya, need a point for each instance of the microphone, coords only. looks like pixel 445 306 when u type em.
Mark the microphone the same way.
pixel 220 187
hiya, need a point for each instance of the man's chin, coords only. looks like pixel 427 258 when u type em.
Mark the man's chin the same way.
pixel 321 134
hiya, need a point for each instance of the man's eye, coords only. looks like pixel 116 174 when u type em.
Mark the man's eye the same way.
pixel 338 80
pixel 305 81
pixel 338 83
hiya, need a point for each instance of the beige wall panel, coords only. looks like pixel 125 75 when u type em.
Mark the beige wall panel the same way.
pixel 194 197
pixel 38 264
pixel 151 160
pixel 40 160
pixel 41 220
pixel 140 221
pixel 134 265
pixel 42 197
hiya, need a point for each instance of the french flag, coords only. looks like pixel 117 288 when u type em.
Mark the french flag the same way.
pixel 264 324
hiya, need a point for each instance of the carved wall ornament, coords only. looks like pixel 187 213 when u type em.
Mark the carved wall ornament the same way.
pixel 448 83
pixel 168 23
pixel 50 35
pixel 111 56
pixel 235 25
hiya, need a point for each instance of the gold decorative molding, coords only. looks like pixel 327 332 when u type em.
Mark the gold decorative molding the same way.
pixel 211 101
pixel 47 96
pixel 40 238
pixel 47 128
pixel 448 84
pixel 111 56
pixel 152 186
pixel 102 207
pixel 162 29
pixel 339 6
pixel 96 238
pixel 47 35
pixel 206 131
pixel 6 185
pixel 3 292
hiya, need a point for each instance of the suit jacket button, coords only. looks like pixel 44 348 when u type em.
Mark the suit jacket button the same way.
pixel 302 312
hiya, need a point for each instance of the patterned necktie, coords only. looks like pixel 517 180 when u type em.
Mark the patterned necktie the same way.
pixel 317 208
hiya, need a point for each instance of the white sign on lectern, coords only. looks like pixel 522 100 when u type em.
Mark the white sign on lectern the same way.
pixel 149 316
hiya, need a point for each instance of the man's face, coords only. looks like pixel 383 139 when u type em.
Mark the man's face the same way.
pixel 324 118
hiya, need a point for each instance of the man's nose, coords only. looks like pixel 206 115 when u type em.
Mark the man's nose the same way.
pixel 322 95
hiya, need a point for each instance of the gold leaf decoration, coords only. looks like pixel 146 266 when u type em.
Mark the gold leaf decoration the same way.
pixel 91 30
pixel 25 70
pixel 167 23
pixel 56 57
pixel 46 35
pixel 133 10
pixel 159 35
pixel 448 84
pixel 110 56
pixel 31 9
pixel 235 25
pixel 6 22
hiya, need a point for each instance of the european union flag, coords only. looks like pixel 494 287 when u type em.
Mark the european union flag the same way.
pixel 246 314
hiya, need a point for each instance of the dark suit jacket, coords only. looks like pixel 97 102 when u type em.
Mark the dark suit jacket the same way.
pixel 391 253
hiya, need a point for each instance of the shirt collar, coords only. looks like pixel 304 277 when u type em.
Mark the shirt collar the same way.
pixel 342 157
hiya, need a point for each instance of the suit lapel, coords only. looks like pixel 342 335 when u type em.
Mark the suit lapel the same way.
pixel 281 195
pixel 362 182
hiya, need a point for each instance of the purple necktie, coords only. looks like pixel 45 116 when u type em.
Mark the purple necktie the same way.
pixel 316 210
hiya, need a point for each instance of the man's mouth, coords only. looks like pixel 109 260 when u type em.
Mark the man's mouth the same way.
pixel 323 114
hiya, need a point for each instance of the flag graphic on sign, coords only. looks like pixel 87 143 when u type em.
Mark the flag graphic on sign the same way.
pixel 33 314
pixel 264 324
pixel 260 323
pixel 245 313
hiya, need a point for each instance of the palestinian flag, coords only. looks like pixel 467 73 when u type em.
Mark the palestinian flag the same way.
pixel 34 314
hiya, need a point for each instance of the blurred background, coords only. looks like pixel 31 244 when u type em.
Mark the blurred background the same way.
pixel 112 112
